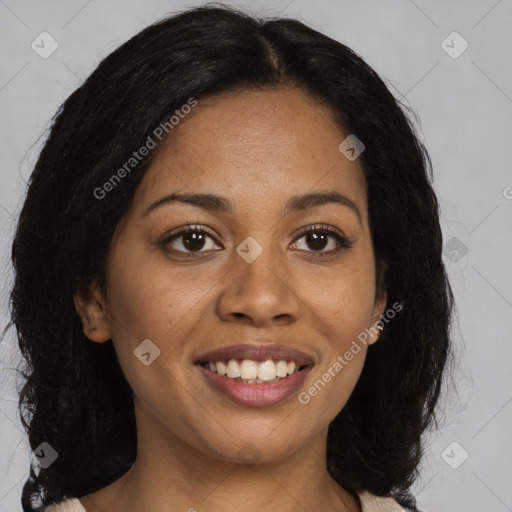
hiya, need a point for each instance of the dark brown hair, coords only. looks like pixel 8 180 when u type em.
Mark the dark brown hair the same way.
pixel 75 396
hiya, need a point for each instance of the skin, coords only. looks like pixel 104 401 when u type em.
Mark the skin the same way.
pixel 274 144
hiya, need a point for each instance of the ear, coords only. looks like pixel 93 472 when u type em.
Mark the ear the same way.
pixel 379 307
pixel 91 308
pixel 378 310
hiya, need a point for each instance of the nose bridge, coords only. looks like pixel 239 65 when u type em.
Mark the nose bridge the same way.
pixel 257 265
pixel 256 262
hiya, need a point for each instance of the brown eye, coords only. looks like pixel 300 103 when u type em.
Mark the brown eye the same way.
pixel 189 240
pixel 317 241
pixel 319 238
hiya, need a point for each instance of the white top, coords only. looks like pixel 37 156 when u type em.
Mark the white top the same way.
pixel 369 503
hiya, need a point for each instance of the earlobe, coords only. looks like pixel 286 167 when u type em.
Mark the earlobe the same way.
pixel 90 306
pixel 377 325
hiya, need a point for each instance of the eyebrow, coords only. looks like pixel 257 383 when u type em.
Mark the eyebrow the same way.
pixel 216 203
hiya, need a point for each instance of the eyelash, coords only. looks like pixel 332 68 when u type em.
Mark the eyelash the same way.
pixel 343 241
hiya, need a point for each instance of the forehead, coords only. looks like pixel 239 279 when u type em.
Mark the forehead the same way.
pixel 266 144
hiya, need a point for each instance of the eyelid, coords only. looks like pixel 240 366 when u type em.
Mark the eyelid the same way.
pixel 192 228
pixel 319 227
pixel 188 228
pixel 343 241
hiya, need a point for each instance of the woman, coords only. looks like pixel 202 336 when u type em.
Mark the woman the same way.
pixel 229 289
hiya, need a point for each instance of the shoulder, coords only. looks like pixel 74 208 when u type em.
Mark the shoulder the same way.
pixel 66 505
pixel 372 503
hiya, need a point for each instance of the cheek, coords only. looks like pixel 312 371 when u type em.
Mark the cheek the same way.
pixel 342 303
pixel 147 302
pixel 343 299
pixel 149 299
pixel 329 392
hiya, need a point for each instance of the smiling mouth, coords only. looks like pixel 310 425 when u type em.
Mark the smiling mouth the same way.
pixel 249 371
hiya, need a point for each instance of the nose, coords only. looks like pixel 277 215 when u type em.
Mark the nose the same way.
pixel 261 293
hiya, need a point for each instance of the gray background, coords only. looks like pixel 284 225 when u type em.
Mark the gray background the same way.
pixel 465 107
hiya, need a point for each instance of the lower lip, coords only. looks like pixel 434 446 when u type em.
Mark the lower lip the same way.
pixel 258 394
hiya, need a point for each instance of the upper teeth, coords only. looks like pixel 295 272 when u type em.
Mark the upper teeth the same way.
pixel 249 369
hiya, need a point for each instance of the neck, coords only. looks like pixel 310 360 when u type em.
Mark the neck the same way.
pixel 170 474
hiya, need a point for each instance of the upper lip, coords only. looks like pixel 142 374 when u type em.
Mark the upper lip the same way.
pixel 257 352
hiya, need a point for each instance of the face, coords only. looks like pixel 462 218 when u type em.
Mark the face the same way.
pixel 246 275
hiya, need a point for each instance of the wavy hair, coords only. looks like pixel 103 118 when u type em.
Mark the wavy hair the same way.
pixel 74 394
